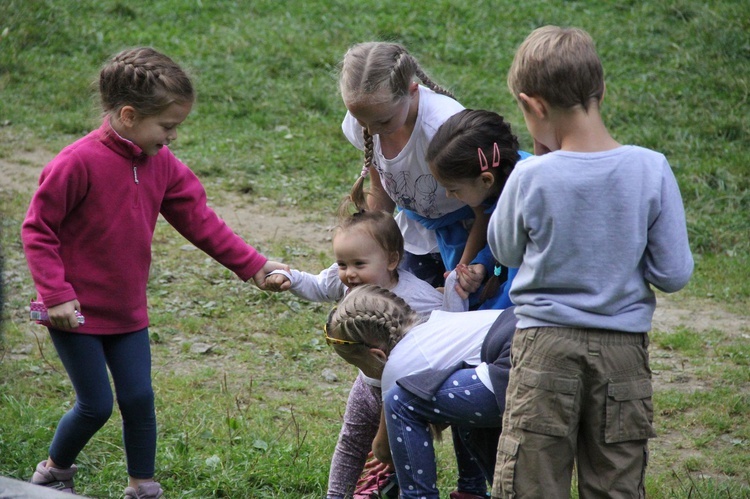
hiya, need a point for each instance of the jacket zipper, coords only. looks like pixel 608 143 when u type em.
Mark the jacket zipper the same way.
pixel 136 200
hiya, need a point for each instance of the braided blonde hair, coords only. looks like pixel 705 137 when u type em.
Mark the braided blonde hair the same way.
pixel 374 316
pixel 145 79
pixel 368 68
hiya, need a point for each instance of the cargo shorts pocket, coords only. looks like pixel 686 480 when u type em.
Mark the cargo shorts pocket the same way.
pixel 545 403
pixel 630 411
pixel 505 470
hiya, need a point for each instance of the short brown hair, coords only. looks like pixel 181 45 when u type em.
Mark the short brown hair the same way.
pixel 560 65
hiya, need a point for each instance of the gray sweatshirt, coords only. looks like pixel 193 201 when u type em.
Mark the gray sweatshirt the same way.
pixel 591 233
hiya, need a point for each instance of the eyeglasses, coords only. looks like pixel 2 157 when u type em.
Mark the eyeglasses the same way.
pixel 336 341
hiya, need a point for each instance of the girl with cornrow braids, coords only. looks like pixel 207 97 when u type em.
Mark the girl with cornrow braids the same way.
pixel 451 369
pixel 471 156
pixel 392 119
pixel 87 239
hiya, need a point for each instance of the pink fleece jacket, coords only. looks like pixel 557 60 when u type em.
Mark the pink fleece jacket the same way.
pixel 88 232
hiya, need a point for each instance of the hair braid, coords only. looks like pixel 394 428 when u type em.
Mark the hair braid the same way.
pixel 374 316
pixel 357 194
pixel 369 149
pixel 145 79
pixel 431 84
pixel 367 68
pixel 376 73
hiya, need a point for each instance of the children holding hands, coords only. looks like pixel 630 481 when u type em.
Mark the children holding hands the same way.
pixel 589 225
pixel 368 247
pixel 409 133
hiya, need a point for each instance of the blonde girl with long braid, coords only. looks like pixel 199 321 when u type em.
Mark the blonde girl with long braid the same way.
pixel 451 369
pixel 392 118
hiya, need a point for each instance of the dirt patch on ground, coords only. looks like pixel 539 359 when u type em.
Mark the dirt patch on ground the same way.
pixel 262 223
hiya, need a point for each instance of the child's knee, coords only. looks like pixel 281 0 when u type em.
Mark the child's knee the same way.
pixel 138 404
pixel 98 413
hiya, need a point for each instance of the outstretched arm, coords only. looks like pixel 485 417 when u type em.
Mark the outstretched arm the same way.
pixel 381 448
pixel 477 236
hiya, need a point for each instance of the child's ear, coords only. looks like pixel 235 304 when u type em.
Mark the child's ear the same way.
pixel 379 354
pixel 487 179
pixel 413 88
pixel 127 115
pixel 393 260
pixel 533 105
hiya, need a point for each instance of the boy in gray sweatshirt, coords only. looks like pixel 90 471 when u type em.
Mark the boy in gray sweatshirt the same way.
pixel 592 226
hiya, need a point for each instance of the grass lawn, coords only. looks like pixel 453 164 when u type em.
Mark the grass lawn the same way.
pixel 243 407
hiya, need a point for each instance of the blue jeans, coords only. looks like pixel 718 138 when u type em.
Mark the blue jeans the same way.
pixel 86 358
pixel 462 401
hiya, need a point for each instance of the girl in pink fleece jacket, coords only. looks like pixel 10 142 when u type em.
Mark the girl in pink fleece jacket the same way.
pixel 87 238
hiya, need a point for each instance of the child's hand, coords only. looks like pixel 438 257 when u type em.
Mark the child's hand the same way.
pixel 376 466
pixel 260 276
pixel 277 283
pixel 470 277
pixel 382 454
pixel 63 316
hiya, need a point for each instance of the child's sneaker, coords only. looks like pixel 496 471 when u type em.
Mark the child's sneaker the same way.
pixel 146 490
pixel 54 478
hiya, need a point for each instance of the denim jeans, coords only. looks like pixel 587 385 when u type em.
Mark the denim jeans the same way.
pixel 462 401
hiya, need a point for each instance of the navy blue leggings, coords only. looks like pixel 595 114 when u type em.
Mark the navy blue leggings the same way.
pixel 86 358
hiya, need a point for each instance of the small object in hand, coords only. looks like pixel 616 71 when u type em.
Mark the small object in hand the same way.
pixel 38 312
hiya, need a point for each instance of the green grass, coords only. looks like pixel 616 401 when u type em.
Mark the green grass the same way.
pixel 253 417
